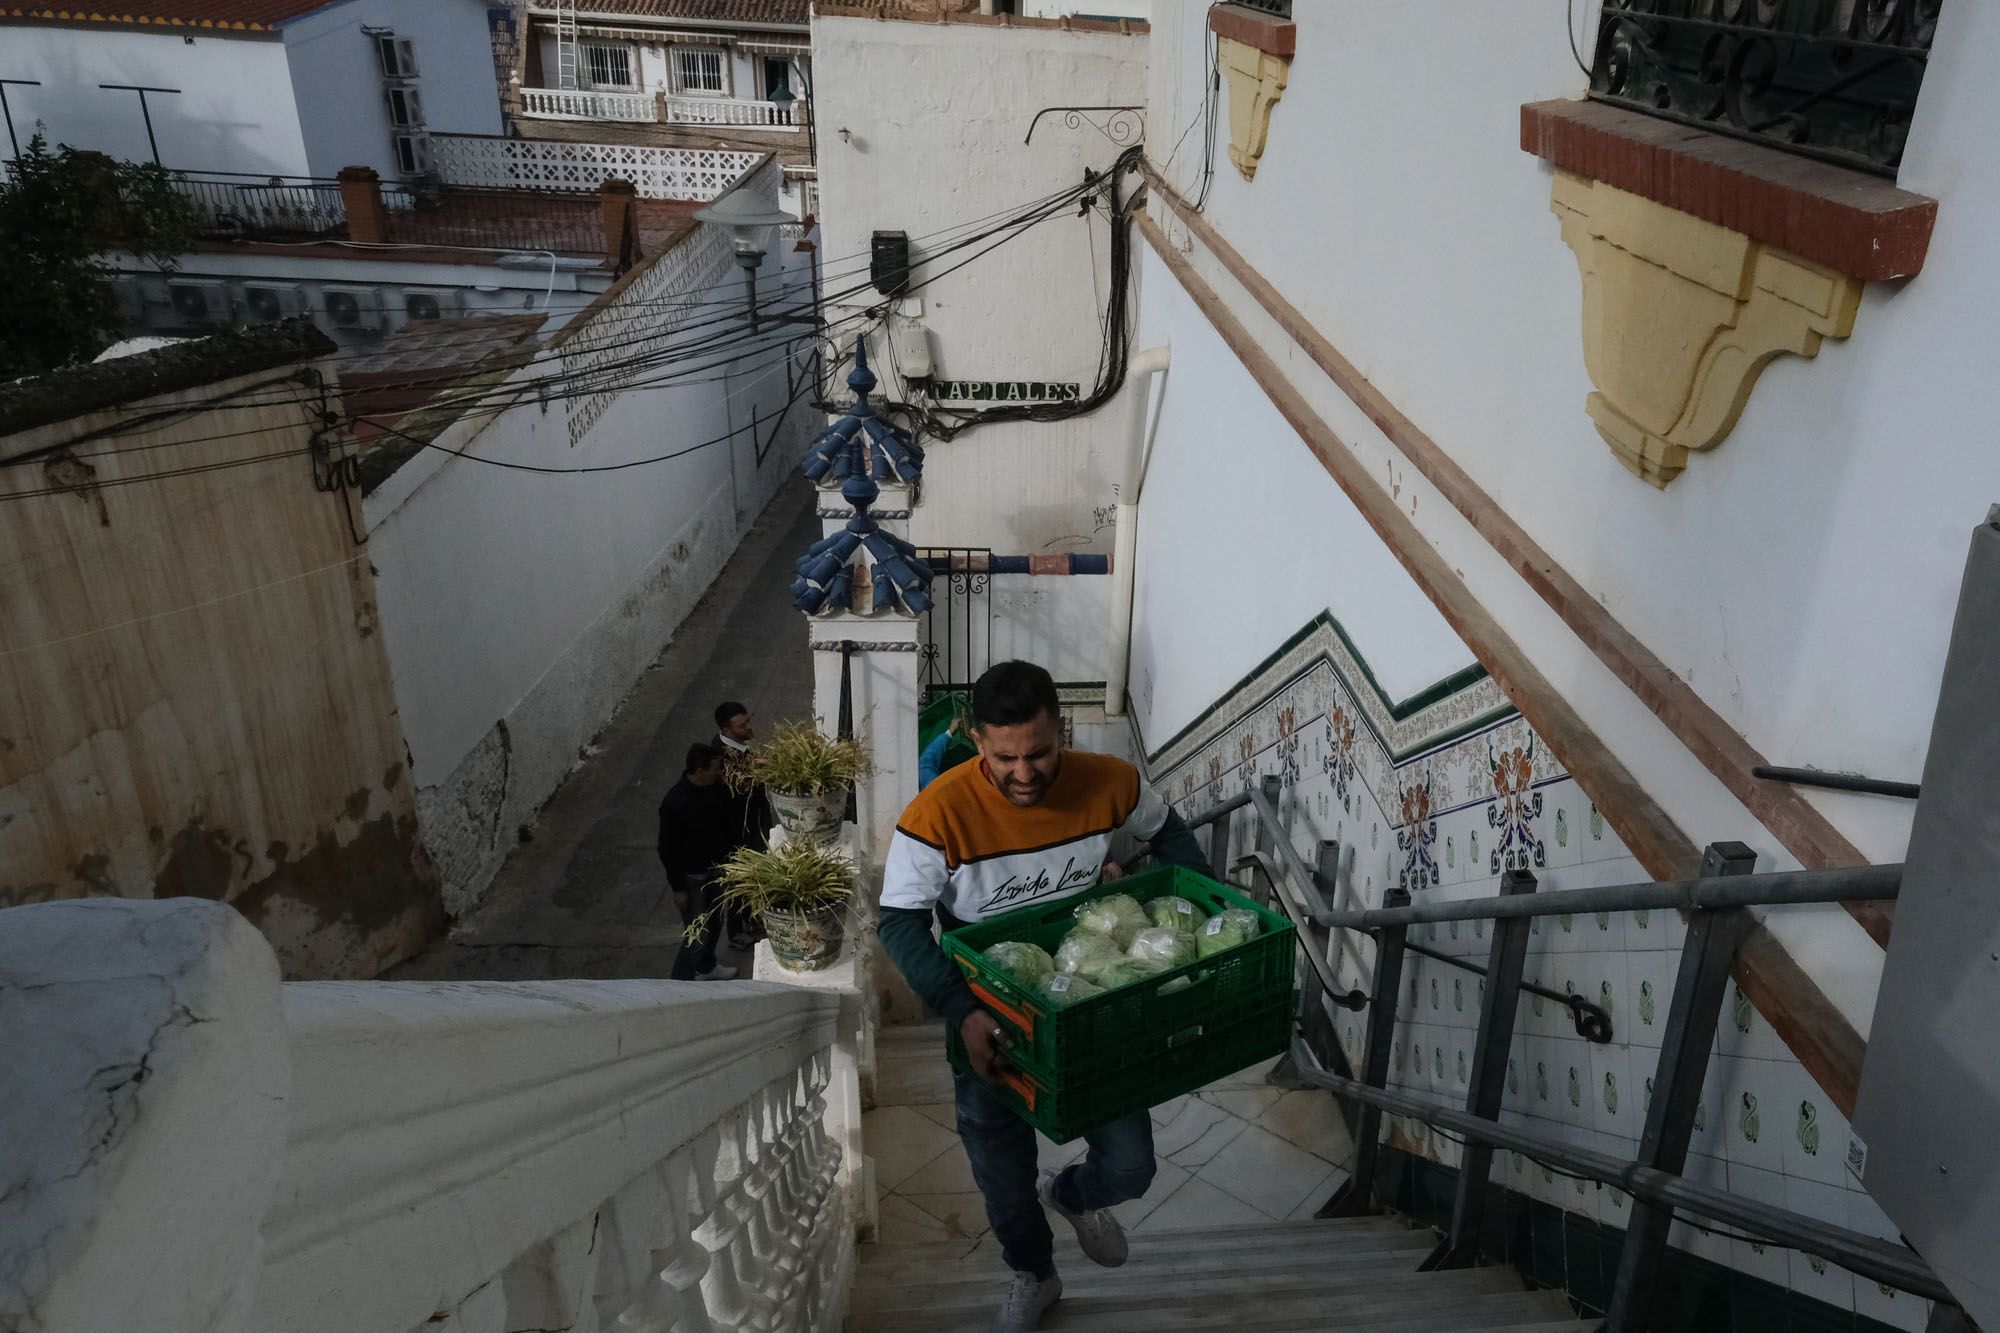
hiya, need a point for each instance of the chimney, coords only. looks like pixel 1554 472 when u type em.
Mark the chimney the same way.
pixel 361 197
pixel 615 200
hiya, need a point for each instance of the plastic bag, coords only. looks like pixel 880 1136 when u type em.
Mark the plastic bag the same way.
pixel 1161 949
pixel 1175 913
pixel 1227 929
pixel 1085 953
pixel 1123 973
pixel 1063 990
pixel 1116 914
pixel 1028 964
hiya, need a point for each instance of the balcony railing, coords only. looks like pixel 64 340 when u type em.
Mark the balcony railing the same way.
pixel 588 104
pixel 1832 81
pixel 246 207
pixel 482 161
pixel 750 113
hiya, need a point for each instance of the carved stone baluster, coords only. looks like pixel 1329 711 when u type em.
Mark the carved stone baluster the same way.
pixel 672 1301
pixel 828 1208
pixel 718 1159
pixel 766 1231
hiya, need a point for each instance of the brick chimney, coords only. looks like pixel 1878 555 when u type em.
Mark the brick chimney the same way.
pixel 361 196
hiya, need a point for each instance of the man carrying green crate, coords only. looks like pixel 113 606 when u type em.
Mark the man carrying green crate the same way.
pixel 1028 823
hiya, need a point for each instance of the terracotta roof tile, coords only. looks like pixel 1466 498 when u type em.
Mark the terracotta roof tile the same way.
pixel 223 15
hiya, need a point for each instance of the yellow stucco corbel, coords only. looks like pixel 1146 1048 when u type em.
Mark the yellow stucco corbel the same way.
pixel 1680 316
pixel 1256 81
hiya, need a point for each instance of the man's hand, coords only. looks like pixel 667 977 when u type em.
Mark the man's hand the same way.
pixel 985 1045
pixel 1112 873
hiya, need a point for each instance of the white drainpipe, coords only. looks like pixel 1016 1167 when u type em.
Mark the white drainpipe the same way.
pixel 1139 374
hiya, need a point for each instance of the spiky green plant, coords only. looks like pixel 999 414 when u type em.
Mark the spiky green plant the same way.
pixel 798 876
pixel 798 760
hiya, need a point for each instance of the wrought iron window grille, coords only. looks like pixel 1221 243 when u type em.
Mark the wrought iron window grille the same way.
pixel 1831 79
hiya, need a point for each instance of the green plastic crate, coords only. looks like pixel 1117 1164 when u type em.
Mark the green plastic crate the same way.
pixel 1064 1113
pixel 1134 1024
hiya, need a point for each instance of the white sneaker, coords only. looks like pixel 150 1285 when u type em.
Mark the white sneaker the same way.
pixel 720 972
pixel 1027 1300
pixel 1097 1231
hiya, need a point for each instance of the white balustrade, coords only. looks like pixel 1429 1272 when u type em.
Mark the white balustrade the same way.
pixel 480 161
pixel 589 104
pixel 197 1149
pixel 749 113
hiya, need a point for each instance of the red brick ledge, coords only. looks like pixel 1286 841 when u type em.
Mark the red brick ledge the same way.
pixel 1255 28
pixel 1856 224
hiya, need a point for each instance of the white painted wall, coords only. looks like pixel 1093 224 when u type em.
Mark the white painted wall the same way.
pixel 337 77
pixel 1103 9
pixel 946 151
pixel 1802 575
pixel 234 112
pixel 519 608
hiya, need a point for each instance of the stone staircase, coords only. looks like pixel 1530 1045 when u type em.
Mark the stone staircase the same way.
pixel 1346 1275
pixel 1202 1257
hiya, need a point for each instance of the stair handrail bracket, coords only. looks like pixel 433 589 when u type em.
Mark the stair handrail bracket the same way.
pixel 394 1155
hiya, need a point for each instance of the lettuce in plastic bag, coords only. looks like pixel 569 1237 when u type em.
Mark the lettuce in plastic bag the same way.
pixel 1177 913
pixel 1063 990
pixel 1227 929
pixel 1028 964
pixel 1085 953
pixel 1161 949
pixel 1122 974
pixel 1116 914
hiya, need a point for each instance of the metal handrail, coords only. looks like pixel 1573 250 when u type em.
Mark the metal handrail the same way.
pixel 1873 1258
pixel 1592 1023
pixel 1716 903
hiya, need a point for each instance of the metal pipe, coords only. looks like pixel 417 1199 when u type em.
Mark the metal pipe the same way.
pixel 1813 777
pixel 1782 888
pixel 1139 372
pixel 1859 1253
pixel 1592 1023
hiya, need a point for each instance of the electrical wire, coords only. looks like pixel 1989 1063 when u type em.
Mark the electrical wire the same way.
pixel 601 378
pixel 732 320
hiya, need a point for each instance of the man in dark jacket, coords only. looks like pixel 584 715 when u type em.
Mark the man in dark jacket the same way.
pixel 696 838
pixel 750 808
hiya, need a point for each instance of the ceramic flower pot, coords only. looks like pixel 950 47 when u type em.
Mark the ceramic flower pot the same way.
pixel 805 941
pixel 811 818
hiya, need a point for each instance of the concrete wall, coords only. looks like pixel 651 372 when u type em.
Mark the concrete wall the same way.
pixel 234 112
pixel 195 698
pixel 941 154
pixel 1834 514
pixel 337 78
pixel 519 608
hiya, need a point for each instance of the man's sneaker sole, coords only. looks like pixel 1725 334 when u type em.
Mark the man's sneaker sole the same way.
pixel 1100 1234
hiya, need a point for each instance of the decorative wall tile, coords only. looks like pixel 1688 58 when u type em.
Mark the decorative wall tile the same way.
pixel 1813 1276
pixel 1755 1119
pixel 1769 1262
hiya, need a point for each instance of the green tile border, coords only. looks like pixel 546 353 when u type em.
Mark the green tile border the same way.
pixel 1567 1252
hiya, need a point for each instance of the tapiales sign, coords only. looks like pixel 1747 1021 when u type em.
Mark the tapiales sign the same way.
pixel 1005 391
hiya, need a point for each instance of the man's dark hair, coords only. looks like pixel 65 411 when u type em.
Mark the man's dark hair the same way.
pixel 1011 693
pixel 700 755
pixel 727 710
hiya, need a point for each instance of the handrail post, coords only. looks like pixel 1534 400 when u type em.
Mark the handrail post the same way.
pixel 1315 1025
pixel 1264 837
pixel 1713 938
pixel 1497 1010
pixel 1357 1197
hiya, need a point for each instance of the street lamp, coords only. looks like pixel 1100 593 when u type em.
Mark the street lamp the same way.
pixel 750 222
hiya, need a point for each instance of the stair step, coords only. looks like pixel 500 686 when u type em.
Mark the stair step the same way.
pixel 1308 1270
pixel 1464 1299
pixel 1353 1233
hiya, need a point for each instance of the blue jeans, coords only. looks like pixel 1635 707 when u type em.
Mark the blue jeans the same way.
pixel 694 958
pixel 1001 1148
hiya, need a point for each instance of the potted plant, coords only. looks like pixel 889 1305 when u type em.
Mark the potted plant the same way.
pixel 800 890
pixel 807 778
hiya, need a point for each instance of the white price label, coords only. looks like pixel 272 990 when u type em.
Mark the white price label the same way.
pixel 1059 983
pixel 1214 926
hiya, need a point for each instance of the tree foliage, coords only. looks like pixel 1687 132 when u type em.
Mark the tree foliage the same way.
pixel 61 212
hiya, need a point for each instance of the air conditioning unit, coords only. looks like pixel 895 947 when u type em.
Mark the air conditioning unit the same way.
pixel 202 301
pixel 352 309
pixel 413 154
pixel 430 302
pixel 406 108
pixel 264 302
